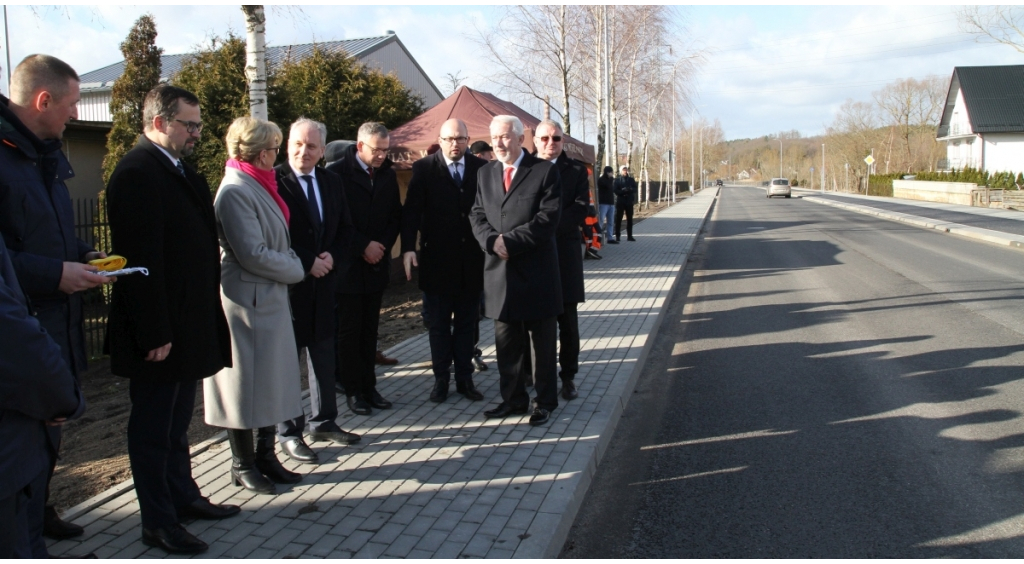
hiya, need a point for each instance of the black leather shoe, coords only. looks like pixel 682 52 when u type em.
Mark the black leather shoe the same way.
pixel 174 539
pixel 56 528
pixel 504 410
pixel 359 406
pixel 203 509
pixel 613 241
pixel 569 390
pixel 376 400
pixel 339 388
pixel 539 417
pixel 469 391
pixel 299 451
pixel 440 391
pixel 631 239
pixel 334 435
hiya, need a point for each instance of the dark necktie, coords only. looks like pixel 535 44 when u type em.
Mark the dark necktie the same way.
pixel 181 168
pixel 457 176
pixel 314 209
pixel 369 170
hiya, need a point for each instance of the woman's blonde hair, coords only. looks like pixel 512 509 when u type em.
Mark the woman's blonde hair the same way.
pixel 247 136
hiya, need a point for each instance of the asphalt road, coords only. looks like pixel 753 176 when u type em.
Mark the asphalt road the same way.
pixel 1013 226
pixel 826 384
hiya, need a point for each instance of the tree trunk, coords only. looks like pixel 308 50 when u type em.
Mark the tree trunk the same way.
pixel 256 60
pixel 562 57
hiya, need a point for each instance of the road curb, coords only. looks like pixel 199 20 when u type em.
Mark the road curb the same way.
pixel 976 233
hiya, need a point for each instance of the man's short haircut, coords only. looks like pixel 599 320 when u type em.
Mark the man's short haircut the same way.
pixel 479 147
pixel 551 123
pixel 517 126
pixel 305 121
pixel 36 73
pixel 163 101
pixel 370 130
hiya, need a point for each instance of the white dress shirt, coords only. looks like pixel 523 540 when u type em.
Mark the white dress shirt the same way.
pixel 305 189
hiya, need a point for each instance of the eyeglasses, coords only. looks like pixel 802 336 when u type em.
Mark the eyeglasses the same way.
pixel 555 138
pixel 452 140
pixel 375 150
pixel 191 126
pixel 274 149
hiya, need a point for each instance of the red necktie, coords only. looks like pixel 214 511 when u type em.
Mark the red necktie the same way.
pixel 508 177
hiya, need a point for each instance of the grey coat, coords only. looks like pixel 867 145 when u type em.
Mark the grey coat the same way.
pixel 257 265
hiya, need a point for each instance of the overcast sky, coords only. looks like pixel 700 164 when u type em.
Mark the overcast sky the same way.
pixel 768 68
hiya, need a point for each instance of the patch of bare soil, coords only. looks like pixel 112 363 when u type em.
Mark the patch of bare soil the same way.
pixel 94 456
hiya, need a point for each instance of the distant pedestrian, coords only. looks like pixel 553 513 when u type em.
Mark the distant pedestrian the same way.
pixel 441 193
pixel 321 230
pixel 515 218
pixel 482 150
pixel 167 330
pixel 606 202
pixel 625 198
pixel 373 198
pixel 262 388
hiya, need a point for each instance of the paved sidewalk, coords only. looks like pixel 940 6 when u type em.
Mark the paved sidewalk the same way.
pixel 999 227
pixel 439 480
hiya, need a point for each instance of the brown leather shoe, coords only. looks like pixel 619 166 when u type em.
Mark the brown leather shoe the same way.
pixel 381 359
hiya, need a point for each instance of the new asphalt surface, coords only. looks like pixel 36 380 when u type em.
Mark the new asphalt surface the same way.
pixel 825 384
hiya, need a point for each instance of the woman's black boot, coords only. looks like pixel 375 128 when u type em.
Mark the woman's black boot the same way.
pixel 266 459
pixel 243 463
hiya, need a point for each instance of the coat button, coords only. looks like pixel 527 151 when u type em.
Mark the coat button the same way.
pixel 502 215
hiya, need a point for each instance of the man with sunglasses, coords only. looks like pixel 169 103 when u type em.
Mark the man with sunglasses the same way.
pixel 371 193
pixel 548 139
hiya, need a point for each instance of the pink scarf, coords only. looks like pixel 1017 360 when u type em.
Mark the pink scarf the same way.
pixel 267 179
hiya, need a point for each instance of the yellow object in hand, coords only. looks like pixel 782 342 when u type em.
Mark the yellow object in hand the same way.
pixel 110 264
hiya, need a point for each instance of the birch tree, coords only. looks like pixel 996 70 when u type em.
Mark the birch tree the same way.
pixel 256 59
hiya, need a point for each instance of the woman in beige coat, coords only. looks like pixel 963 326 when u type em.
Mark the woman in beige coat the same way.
pixel 257 265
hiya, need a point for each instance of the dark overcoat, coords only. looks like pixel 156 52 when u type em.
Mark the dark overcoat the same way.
pixel 625 191
pixel 376 211
pixel 313 298
pixel 164 221
pixel 38 226
pixel 450 259
pixel 527 286
pixel 36 386
pixel 575 199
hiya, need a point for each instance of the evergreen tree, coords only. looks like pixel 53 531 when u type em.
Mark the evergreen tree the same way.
pixel 141 74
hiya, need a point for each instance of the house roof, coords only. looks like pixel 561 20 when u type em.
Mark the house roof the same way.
pixel 410 141
pixel 103 79
pixel 993 95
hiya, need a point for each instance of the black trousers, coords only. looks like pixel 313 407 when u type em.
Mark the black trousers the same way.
pixel 358 316
pixel 569 341
pixel 321 363
pixel 20 537
pixel 619 210
pixel 511 341
pixel 158 449
pixel 452 319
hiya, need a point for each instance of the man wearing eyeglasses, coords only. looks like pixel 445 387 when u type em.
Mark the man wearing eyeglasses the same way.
pixel 451 264
pixel 167 330
pixel 548 138
pixel 371 192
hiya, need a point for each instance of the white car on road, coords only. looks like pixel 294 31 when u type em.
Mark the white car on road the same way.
pixel 779 187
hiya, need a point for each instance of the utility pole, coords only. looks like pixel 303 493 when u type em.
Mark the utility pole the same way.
pixel 780 157
pixel 822 167
pixel 692 169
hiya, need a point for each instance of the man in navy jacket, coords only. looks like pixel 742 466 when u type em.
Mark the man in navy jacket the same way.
pixel 36 388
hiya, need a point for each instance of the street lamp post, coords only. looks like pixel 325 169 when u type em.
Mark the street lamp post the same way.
pixel 702 156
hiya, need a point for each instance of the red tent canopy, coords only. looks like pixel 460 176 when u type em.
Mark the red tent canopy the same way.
pixel 410 141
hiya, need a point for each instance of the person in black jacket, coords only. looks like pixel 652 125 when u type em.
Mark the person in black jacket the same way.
pixel 371 192
pixel 320 228
pixel 575 199
pixel 167 330
pixel 437 205
pixel 515 217
pixel 625 198
pixel 38 225
pixel 37 388
pixel 606 202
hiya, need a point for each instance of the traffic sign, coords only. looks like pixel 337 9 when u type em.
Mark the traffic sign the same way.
pixel 870 160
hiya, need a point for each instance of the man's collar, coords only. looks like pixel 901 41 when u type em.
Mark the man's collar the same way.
pixel 173 160
pixel 448 162
pixel 515 165
pixel 359 160
pixel 299 174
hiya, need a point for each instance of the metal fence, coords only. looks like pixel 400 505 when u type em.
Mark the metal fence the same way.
pixel 91 226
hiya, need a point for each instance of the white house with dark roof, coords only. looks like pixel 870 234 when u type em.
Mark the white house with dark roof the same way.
pixel 983 120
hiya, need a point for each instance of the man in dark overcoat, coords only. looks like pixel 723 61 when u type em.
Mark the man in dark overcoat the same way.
pixel 441 193
pixel 167 330
pixel 38 226
pixel 625 198
pixel 36 388
pixel 320 228
pixel 515 217
pixel 575 199
pixel 371 192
